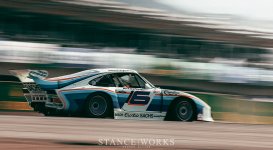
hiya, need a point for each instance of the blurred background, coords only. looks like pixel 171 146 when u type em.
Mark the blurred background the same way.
pixel 215 50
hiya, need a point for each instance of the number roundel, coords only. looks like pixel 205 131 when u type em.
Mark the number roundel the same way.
pixel 140 98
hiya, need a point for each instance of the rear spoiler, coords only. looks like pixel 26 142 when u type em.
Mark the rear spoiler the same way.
pixel 27 74
pixel 35 76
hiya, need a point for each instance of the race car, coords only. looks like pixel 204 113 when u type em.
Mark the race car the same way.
pixel 109 93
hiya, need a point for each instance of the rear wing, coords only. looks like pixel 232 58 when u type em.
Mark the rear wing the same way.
pixel 25 76
pixel 32 91
pixel 37 78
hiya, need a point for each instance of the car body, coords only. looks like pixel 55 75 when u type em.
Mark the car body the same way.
pixel 117 93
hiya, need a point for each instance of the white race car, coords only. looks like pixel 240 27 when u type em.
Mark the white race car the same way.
pixel 117 93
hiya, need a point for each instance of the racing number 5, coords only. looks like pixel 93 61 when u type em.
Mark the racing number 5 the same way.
pixel 139 98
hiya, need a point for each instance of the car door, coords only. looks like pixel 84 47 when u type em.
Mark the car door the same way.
pixel 134 94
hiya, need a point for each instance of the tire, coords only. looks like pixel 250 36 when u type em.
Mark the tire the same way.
pixel 98 106
pixel 184 110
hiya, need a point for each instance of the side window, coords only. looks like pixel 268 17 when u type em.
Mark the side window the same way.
pixel 140 81
pixel 128 80
pixel 105 81
pixel 116 81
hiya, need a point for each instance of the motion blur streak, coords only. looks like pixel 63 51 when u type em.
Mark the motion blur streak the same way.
pixel 225 58
pixel 217 69
pixel 89 132
pixel 218 50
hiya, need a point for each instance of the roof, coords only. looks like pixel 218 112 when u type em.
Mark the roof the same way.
pixel 91 72
pixel 114 70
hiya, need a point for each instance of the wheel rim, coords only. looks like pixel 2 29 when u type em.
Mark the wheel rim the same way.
pixel 184 110
pixel 98 105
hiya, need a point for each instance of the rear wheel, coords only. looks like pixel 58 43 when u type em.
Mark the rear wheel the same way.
pixel 98 106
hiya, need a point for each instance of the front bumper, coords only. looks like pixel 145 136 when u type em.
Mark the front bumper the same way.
pixel 205 114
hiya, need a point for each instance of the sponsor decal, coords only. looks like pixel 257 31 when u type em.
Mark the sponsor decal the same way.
pixel 131 115
pixel 128 90
pixel 146 116
pixel 158 115
pixel 171 92
pixel 138 115
pixel 119 114
pixel 38 73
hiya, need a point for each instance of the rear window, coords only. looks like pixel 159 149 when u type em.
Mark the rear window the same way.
pixel 105 81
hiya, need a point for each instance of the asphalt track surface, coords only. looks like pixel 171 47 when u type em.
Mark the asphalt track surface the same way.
pixel 27 132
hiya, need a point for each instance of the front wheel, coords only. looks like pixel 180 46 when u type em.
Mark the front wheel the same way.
pixel 184 111
pixel 98 106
